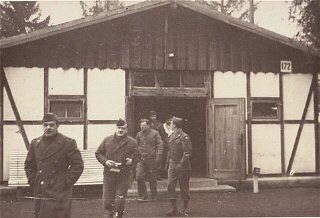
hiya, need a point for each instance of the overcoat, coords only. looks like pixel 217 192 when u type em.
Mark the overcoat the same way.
pixel 52 168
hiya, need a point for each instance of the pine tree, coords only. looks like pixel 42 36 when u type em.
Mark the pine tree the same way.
pixel 306 13
pixel 18 17
pixel 230 7
pixel 99 6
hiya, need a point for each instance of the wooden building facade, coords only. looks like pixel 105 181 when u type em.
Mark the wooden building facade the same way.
pixel 178 57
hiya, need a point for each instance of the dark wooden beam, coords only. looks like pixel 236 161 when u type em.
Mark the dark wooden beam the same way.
pixel 15 109
pixel 283 163
pixel 304 114
pixel 316 122
pixel 85 109
pixel 249 118
pixel 46 90
pixel 1 127
pixel 178 92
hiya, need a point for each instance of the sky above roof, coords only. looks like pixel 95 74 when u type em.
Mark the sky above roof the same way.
pixel 272 15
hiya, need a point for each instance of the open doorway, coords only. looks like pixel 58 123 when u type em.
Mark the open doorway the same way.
pixel 193 110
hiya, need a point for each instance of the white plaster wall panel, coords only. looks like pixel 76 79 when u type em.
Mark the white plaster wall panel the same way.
pixel 106 94
pixel 73 131
pixel 304 160
pixel 295 92
pixel 266 148
pixel 96 133
pixel 27 87
pixel 230 85
pixel 66 81
pixel 12 140
pixel 264 84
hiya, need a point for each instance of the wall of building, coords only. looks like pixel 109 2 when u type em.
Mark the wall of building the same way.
pixel 105 96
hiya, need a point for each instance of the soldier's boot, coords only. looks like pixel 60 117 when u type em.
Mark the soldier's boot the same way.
pixel 174 210
pixel 185 211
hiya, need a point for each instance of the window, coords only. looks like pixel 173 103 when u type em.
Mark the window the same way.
pixel 67 107
pixel 193 80
pixel 144 79
pixel 169 79
pixel 265 108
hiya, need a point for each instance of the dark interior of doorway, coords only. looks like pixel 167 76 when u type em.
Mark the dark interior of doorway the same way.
pixel 194 113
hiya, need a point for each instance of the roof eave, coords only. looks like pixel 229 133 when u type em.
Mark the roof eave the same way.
pixel 80 23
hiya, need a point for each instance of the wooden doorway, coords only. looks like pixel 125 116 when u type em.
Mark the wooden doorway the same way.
pixel 226 138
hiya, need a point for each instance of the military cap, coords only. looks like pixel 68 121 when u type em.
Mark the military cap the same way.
pixel 145 120
pixel 121 122
pixel 50 117
pixel 177 121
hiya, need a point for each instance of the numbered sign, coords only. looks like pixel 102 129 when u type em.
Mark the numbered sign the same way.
pixel 286 66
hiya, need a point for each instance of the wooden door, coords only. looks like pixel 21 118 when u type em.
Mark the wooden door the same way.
pixel 226 138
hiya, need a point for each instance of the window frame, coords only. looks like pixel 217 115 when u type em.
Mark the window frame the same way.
pixel 181 77
pixel 68 99
pixel 266 100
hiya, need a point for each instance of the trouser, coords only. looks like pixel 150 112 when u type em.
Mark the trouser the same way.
pixel 53 207
pixel 162 167
pixel 147 171
pixel 115 189
pixel 181 176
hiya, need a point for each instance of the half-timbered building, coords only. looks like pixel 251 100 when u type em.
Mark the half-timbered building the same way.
pixel 249 96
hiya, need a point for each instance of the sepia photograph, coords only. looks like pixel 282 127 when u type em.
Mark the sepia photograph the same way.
pixel 159 108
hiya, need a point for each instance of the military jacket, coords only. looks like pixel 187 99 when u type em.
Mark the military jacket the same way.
pixel 180 149
pixel 118 151
pixel 150 144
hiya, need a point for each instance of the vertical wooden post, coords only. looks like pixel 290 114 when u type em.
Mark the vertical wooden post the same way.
pixel 283 167
pixel 316 121
pixel 46 90
pixel 1 126
pixel 85 109
pixel 249 118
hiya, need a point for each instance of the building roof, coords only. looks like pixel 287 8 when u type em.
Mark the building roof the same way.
pixel 147 5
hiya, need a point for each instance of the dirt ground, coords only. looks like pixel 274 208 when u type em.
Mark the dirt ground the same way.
pixel 269 202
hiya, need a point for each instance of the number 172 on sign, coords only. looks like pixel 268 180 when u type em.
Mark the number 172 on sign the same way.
pixel 286 66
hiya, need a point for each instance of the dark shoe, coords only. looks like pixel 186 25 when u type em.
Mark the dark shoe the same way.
pixel 184 212
pixel 108 214
pixel 153 198
pixel 142 199
pixel 173 212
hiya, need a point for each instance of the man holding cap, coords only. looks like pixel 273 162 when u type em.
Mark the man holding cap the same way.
pixel 178 161
pixel 53 165
pixel 117 153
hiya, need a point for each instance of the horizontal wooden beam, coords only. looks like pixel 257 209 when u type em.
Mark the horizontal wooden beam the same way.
pixel 170 92
pixel 39 122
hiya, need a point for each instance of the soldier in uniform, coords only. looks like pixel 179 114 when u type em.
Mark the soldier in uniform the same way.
pixel 179 167
pixel 157 125
pixel 117 153
pixel 151 148
pixel 53 165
